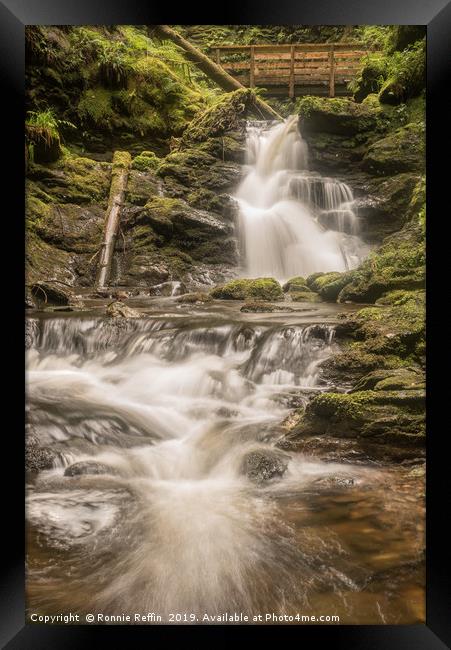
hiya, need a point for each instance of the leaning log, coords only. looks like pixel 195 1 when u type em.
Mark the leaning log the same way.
pixel 212 69
pixel 119 178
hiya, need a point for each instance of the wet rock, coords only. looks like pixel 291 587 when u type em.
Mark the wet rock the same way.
pixel 243 289
pixel 117 309
pixel 87 467
pixel 400 151
pixel 168 289
pixel 297 283
pixel 52 293
pixel 121 295
pixel 195 297
pixel 37 458
pixel 383 416
pixel 262 307
pixel 263 465
pixel 31 332
pixel 336 481
pixel 335 116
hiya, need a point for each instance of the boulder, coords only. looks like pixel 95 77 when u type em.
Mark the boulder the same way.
pixel 84 467
pixel 52 293
pixel 264 465
pixel 244 289
pixel 196 297
pixel 37 457
pixel 382 416
pixel 117 309
pixel 401 151
pixel 335 116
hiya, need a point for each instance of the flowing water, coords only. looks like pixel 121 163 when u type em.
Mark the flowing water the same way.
pixel 184 503
pixel 292 221
pixel 170 406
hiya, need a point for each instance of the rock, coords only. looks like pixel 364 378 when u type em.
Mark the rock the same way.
pixel 87 467
pixel 168 289
pixel 264 465
pixel 400 151
pixel 193 298
pixel 261 289
pixel 295 284
pixel 31 332
pixel 118 310
pixel 305 296
pixel 256 306
pixel 392 379
pixel 336 116
pixel 121 295
pixel 336 481
pixel 52 293
pixel 383 416
pixel 37 458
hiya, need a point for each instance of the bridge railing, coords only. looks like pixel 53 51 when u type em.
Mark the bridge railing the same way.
pixel 292 66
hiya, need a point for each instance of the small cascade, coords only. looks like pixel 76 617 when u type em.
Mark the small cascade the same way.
pixel 293 221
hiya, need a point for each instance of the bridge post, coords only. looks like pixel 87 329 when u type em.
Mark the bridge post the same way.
pixel 218 55
pixel 331 72
pixel 252 68
pixel 291 81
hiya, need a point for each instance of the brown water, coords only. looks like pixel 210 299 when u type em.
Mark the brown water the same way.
pixel 171 404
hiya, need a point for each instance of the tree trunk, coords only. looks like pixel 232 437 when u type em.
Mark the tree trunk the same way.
pixel 213 70
pixel 119 178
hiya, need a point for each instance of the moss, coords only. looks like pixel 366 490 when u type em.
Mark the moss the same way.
pixel 145 161
pixel 380 416
pixel 95 107
pixel 222 117
pixel 321 280
pixel 400 151
pixel 297 283
pixel 335 116
pixel 304 296
pixel 261 288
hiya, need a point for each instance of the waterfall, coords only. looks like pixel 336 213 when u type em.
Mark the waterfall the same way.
pixel 292 221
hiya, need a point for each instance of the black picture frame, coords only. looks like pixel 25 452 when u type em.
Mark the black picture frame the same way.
pixel 436 14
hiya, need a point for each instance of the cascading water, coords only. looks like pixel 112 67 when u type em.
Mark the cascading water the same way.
pixel 183 504
pixel 169 492
pixel 292 221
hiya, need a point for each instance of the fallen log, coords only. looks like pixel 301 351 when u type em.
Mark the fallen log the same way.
pixel 119 178
pixel 212 69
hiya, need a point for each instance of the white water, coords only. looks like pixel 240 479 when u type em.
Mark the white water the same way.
pixel 292 221
pixel 172 410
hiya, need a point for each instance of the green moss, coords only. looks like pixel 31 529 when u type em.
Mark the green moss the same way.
pixel 336 116
pixel 95 106
pixel 402 150
pixel 304 296
pixel 297 283
pixel 261 288
pixel 146 161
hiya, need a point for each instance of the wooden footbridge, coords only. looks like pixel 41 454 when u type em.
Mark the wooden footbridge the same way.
pixel 298 69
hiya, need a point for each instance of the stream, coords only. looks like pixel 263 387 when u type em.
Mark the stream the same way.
pixel 170 491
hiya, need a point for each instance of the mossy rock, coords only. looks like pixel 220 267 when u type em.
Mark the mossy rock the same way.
pixel 304 296
pixel 335 116
pixel 407 378
pixel 146 161
pixel 400 151
pixel 244 289
pixel 329 285
pixel 379 416
pixel 226 115
pixel 297 283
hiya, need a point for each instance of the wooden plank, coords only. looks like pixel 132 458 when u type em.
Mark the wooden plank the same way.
pixel 300 47
pixel 218 56
pixel 331 72
pixel 252 69
pixel 291 82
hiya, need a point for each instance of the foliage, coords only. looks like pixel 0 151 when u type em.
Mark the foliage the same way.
pixel 43 128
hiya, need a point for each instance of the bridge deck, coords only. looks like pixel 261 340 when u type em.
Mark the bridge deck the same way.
pixel 298 69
